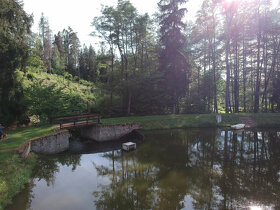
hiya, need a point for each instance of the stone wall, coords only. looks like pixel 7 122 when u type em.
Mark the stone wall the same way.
pixel 49 144
pixel 108 132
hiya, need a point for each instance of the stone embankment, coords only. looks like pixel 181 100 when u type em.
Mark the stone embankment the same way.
pixel 49 144
pixel 108 132
pixel 59 141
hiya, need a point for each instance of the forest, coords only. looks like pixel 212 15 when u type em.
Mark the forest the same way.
pixel 225 61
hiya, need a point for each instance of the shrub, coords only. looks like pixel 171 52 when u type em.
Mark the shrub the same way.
pixel 76 79
pixel 106 108
pixel 68 76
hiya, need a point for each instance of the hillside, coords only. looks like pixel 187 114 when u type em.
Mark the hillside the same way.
pixel 50 94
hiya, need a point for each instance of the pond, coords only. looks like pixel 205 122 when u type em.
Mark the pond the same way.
pixel 170 169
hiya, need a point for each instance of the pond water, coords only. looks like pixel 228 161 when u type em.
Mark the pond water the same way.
pixel 171 169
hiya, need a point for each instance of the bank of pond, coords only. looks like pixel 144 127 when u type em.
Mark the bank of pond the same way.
pixel 194 168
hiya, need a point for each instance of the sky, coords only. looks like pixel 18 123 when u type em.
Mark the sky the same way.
pixel 79 14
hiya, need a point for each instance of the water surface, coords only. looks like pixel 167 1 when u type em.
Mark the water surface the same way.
pixel 171 169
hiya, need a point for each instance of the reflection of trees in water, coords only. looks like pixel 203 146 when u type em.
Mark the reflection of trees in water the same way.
pixel 131 183
pixel 250 170
pixel 48 166
pixel 23 199
pixel 218 171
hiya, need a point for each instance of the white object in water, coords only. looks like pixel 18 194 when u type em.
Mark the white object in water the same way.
pixel 238 126
pixel 128 146
pixel 259 135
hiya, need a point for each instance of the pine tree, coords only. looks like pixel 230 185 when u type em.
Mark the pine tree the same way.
pixel 173 62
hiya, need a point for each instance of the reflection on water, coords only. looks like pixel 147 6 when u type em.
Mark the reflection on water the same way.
pixel 171 169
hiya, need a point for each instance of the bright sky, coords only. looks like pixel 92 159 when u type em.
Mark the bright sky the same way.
pixel 79 14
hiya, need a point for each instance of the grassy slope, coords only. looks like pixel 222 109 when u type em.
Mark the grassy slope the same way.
pixel 193 120
pixel 83 88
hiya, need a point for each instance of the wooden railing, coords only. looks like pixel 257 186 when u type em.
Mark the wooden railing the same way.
pixel 72 121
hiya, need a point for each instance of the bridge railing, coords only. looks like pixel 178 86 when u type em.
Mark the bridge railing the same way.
pixel 70 121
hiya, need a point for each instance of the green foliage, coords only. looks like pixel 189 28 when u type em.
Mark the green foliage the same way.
pixel 173 61
pixel 51 95
pixel 14 173
pixel 58 62
pixel 76 79
pixel 49 101
pixel 34 61
pixel 68 76
pixel 107 106
pixel 14 29
pixel 195 105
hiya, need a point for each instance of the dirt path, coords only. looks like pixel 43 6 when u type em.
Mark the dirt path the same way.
pixel 248 121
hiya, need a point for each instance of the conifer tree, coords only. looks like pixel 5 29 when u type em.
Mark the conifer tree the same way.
pixel 173 62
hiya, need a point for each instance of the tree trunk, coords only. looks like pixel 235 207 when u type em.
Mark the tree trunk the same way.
pixel 129 102
pixel 227 72
pixel 257 90
pixel 244 74
pixel 214 71
pixel 236 81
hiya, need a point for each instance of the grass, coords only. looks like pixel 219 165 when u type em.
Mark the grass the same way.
pixel 167 121
pixel 196 120
pixel 5 155
pixel 267 120
pixel 17 137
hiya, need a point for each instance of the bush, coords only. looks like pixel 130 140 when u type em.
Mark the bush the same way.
pixel 68 76
pixel 50 101
pixel 76 79
pixel 30 76
pixel 104 106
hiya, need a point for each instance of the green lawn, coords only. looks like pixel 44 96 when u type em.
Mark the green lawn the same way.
pixel 17 137
pixel 196 120
pixel 5 155
pixel 167 121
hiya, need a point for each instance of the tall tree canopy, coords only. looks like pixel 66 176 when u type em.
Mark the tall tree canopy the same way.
pixel 14 29
pixel 173 62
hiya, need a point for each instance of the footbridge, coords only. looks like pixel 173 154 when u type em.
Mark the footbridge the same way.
pixel 91 128
pixel 75 121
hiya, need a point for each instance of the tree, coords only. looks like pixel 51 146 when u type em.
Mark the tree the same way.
pixel 71 45
pixel 15 26
pixel 125 31
pixel 58 55
pixel 45 34
pixel 172 61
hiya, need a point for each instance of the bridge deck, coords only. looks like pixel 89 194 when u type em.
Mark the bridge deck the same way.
pixel 74 121
pixel 76 125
